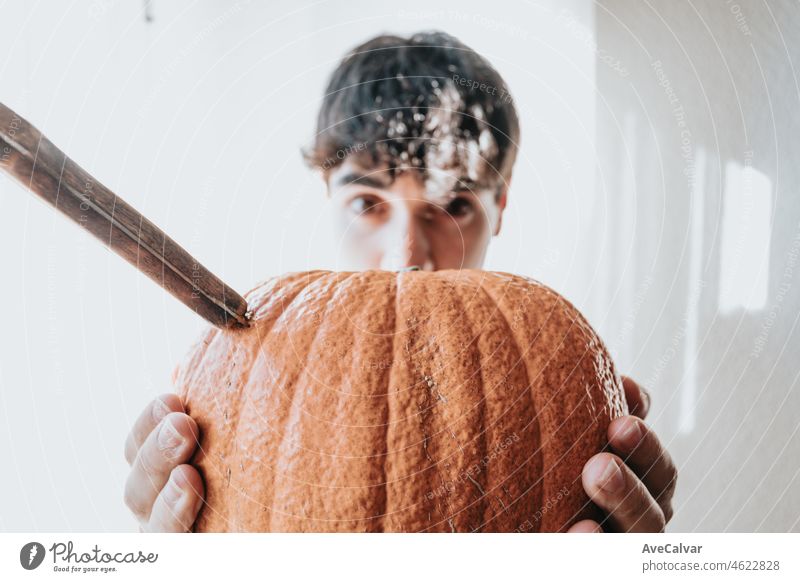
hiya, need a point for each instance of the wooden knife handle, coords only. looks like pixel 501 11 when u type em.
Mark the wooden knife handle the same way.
pixel 41 167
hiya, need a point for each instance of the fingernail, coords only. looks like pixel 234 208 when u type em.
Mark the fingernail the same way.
pixel 611 479
pixel 172 493
pixel 160 410
pixel 632 434
pixel 168 437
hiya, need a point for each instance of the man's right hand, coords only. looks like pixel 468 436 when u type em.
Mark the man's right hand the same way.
pixel 163 492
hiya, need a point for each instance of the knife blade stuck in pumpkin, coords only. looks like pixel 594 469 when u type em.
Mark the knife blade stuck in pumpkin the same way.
pixel 30 158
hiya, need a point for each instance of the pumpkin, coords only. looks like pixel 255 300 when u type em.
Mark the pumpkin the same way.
pixel 447 401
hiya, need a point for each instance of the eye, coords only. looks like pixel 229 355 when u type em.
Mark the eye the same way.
pixel 459 207
pixel 365 204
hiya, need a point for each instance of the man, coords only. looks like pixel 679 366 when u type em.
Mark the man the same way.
pixel 416 142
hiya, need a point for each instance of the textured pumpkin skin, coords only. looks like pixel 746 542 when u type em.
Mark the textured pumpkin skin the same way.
pixel 414 401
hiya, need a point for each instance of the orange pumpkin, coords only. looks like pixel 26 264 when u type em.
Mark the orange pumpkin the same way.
pixel 413 401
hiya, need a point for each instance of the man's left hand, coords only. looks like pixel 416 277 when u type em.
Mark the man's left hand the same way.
pixel 633 487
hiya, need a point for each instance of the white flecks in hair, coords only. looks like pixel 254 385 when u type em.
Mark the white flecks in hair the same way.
pixel 433 132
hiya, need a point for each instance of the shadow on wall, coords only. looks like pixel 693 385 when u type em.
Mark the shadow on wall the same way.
pixel 697 146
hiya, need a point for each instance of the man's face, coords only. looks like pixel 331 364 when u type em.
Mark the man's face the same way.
pixel 390 225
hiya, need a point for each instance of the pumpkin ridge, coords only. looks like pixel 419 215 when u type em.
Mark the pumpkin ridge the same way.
pixel 563 314
pixel 544 376
pixel 231 446
pixel 458 286
pixel 420 362
pixel 569 312
pixel 337 282
pixel 416 469
pixel 425 418
pixel 494 311
pixel 297 283
pixel 428 413
pixel 361 292
pixel 396 281
pixel 480 437
pixel 537 457
pixel 572 333
pixel 186 389
pixel 294 284
pixel 522 363
pixel 482 403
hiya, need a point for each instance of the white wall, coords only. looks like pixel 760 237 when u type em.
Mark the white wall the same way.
pixel 698 238
pixel 196 119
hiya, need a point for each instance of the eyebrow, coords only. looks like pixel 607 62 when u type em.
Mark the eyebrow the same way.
pixel 361 180
pixel 373 181
pixel 465 183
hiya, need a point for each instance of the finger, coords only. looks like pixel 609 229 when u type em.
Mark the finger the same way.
pixel 152 414
pixel 641 450
pixel 638 398
pixel 169 445
pixel 176 507
pixel 586 526
pixel 621 495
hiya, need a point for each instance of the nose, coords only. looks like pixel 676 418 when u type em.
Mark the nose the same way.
pixel 406 244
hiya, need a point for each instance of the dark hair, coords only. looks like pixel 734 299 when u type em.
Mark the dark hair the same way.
pixel 384 91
